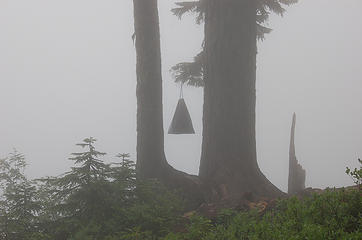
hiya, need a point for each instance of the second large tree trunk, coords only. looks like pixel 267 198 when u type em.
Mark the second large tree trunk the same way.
pixel 228 161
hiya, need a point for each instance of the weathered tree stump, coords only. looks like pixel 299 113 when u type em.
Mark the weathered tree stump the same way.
pixel 297 174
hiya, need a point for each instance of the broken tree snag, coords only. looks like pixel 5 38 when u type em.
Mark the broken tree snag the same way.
pixel 296 180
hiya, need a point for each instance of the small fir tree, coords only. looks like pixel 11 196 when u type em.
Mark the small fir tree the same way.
pixel 19 203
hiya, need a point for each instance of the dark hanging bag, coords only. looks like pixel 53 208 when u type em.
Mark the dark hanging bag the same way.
pixel 181 121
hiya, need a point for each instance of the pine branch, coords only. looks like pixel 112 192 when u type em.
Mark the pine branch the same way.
pixel 196 7
pixel 190 73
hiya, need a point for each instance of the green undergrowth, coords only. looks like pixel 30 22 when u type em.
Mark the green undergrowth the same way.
pixel 95 200
pixel 334 214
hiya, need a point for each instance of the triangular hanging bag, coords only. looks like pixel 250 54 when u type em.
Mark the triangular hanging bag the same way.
pixel 181 121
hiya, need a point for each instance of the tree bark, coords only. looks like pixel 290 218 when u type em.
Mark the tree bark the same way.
pixel 150 134
pixel 228 159
pixel 151 160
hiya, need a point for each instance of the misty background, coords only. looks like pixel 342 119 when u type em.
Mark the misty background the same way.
pixel 67 72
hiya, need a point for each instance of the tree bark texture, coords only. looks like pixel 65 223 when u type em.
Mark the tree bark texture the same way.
pixel 228 160
pixel 150 133
pixel 151 160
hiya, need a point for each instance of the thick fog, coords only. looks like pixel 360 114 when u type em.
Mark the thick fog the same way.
pixel 67 72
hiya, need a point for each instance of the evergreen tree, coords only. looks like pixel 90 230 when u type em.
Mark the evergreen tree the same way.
pixel 125 170
pixel 83 194
pixel 94 200
pixel 227 70
pixel 19 203
pixel 191 73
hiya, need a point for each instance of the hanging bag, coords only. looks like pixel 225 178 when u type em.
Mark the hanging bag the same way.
pixel 181 121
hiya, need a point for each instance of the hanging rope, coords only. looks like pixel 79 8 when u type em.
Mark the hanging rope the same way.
pixel 181 91
pixel 181 122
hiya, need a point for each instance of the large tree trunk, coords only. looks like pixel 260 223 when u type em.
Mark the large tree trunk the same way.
pixel 150 134
pixel 151 160
pixel 228 161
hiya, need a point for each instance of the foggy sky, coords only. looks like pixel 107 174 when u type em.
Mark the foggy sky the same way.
pixel 67 72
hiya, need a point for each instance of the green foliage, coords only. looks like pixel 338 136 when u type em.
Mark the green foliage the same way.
pixel 356 174
pixel 335 214
pixel 190 7
pixel 95 201
pixel 19 203
pixel 191 73
pixel 264 8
